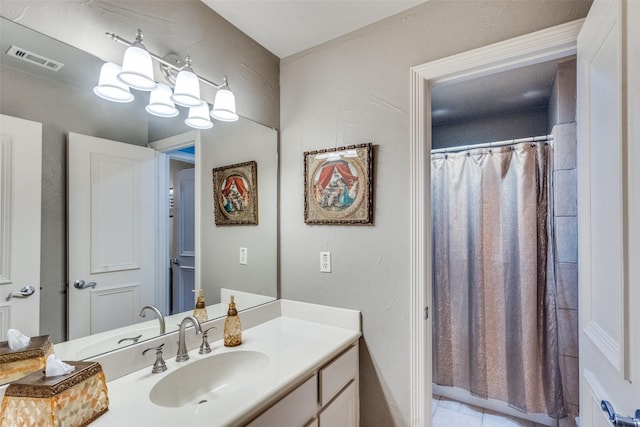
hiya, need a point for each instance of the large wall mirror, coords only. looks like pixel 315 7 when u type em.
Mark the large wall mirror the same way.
pixel 208 257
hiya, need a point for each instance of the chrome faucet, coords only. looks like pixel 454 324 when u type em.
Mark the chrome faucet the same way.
pixel 183 353
pixel 159 316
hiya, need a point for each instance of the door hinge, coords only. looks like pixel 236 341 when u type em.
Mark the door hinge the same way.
pixel 426 313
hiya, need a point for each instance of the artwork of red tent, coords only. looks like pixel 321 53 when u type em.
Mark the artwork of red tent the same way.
pixel 239 185
pixel 343 169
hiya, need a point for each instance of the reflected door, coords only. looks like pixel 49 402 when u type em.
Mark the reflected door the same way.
pixel 20 200
pixel 112 226
pixel 183 241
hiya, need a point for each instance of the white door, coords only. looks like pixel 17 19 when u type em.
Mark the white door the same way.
pixel 609 210
pixel 183 241
pixel 20 200
pixel 112 204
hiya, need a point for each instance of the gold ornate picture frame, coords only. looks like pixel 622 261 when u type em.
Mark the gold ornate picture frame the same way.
pixel 235 194
pixel 338 185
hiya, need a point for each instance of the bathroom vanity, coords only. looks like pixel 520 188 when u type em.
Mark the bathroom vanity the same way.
pixel 297 366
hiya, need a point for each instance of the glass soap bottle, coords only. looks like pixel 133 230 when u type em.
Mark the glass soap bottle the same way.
pixel 200 310
pixel 232 327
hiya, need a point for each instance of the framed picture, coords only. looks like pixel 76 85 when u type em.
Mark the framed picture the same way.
pixel 338 185
pixel 235 194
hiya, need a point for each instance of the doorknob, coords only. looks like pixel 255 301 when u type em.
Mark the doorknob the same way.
pixel 23 293
pixel 81 284
pixel 619 420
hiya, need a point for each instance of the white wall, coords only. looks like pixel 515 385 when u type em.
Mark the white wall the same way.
pixel 356 89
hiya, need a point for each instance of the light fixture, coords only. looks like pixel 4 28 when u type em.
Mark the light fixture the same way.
pixel 109 87
pixel 137 73
pixel 137 68
pixel 160 103
pixel 187 89
pixel 224 105
pixel 199 117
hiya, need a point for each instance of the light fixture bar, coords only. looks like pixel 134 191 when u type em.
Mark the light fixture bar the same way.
pixel 119 39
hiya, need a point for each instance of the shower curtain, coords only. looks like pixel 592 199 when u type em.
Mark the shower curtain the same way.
pixel 495 327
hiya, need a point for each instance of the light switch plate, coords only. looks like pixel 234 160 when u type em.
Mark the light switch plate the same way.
pixel 243 256
pixel 325 262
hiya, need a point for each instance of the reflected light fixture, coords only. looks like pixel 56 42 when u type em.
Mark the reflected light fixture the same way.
pixel 199 117
pixel 137 73
pixel 137 68
pixel 160 103
pixel 224 105
pixel 110 87
pixel 187 90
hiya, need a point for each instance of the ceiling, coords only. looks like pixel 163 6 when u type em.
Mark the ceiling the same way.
pixel 291 26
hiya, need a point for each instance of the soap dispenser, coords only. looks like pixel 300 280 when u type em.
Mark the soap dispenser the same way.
pixel 232 327
pixel 200 311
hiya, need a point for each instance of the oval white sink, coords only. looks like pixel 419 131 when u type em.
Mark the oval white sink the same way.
pixel 203 380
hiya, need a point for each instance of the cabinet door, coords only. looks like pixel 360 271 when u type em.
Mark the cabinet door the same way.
pixel 343 411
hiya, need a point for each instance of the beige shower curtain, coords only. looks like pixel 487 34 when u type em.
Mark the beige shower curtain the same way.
pixel 495 325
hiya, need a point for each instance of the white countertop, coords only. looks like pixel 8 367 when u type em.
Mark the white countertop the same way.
pixel 295 347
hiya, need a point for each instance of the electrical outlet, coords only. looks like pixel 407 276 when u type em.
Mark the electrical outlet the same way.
pixel 325 262
pixel 243 256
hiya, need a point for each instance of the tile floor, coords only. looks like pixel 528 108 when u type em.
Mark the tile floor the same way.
pixel 449 413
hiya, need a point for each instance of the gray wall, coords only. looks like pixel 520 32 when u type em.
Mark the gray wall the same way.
pixel 229 144
pixel 185 27
pixel 356 89
pixel 519 124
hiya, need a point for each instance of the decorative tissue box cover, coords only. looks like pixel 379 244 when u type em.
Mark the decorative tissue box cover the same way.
pixel 71 400
pixel 15 364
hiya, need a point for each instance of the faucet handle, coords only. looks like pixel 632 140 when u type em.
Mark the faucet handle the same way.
pixel 204 347
pixel 158 365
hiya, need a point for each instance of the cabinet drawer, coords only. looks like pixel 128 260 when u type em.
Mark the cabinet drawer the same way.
pixel 294 410
pixel 337 374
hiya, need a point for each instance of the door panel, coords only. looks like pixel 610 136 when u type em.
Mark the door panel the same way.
pixel 112 202
pixel 20 212
pixel 608 219
pixel 184 241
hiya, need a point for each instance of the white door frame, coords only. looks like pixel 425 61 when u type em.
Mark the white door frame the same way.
pixel 551 43
pixel 187 139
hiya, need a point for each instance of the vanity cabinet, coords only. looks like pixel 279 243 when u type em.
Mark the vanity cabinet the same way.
pixel 329 398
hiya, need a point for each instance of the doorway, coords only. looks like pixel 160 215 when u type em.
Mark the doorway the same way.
pixel 184 148
pixel 492 129
pixel 182 233
pixel 552 43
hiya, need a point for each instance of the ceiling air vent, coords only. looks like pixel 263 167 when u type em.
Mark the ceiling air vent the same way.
pixel 34 58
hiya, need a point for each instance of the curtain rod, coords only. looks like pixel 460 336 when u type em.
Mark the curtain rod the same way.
pixel 535 139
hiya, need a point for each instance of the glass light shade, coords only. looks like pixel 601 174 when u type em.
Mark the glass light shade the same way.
pixel 109 87
pixel 137 69
pixel 160 103
pixel 187 89
pixel 199 117
pixel 224 106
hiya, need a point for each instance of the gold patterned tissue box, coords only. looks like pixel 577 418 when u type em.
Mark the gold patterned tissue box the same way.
pixel 74 399
pixel 16 364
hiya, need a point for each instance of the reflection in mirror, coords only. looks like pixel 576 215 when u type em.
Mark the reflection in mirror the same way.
pixel 63 101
